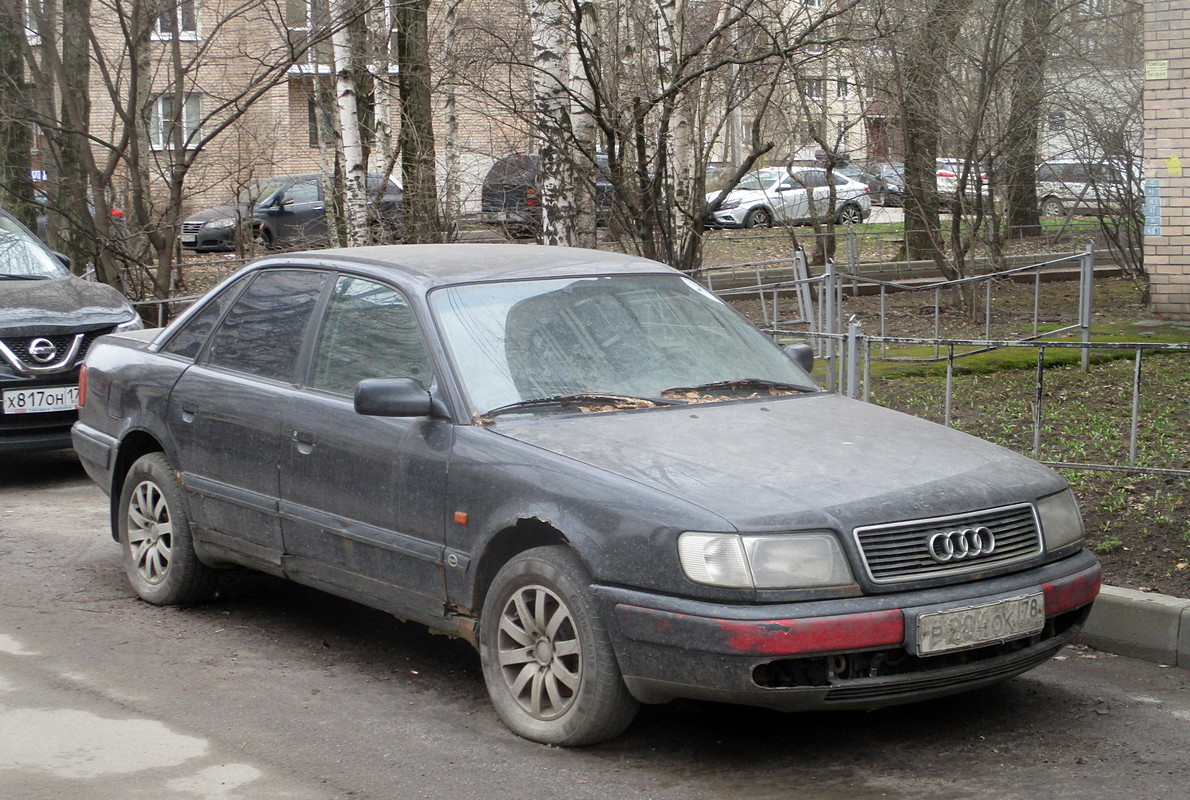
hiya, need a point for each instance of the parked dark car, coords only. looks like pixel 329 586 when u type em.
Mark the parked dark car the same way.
pixel 589 467
pixel 286 211
pixel 510 199
pixel 48 320
pixel 887 182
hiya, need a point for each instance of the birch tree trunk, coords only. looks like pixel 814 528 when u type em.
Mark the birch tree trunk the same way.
pixel 586 192
pixel 452 203
pixel 355 207
pixel 547 20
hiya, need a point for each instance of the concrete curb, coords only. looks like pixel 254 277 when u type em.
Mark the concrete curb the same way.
pixel 1154 627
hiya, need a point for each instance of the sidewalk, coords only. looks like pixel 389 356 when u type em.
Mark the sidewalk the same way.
pixel 1155 627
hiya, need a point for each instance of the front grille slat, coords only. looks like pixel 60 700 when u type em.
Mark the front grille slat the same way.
pixel 898 552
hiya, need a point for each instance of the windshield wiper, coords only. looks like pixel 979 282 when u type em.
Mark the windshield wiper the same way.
pixel 4 277
pixel 579 399
pixel 743 384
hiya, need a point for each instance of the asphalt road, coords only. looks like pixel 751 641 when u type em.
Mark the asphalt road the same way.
pixel 275 691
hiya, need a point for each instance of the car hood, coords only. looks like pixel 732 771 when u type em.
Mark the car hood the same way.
pixel 219 212
pixel 796 461
pixel 59 304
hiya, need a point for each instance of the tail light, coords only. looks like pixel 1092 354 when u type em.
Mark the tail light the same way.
pixel 531 197
pixel 945 173
pixel 82 385
pixel 117 213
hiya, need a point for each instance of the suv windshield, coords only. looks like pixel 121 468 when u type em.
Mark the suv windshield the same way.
pixel 630 336
pixel 761 179
pixel 22 256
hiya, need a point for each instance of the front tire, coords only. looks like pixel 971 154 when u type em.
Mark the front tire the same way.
pixel 154 533
pixel 547 656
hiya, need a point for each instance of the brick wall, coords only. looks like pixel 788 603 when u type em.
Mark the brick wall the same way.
pixel 1167 155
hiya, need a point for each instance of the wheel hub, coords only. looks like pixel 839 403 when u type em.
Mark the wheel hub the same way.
pixel 544 652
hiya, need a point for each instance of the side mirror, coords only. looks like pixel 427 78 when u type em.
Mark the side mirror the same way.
pixel 395 397
pixel 802 355
pixel 65 259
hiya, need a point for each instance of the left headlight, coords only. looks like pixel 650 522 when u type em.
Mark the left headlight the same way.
pixel 764 561
pixel 1061 522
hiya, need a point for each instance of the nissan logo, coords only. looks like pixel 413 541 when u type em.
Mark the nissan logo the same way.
pixel 960 545
pixel 42 351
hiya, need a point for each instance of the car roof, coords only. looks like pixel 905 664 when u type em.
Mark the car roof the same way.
pixel 428 266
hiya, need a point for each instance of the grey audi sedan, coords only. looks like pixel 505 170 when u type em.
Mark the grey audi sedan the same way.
pixel 587 466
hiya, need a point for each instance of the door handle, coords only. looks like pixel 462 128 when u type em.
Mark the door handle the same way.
pixel 189 410
pixel 305 442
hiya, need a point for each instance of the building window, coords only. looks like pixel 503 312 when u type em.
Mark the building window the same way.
pixel 308 22
pixel 843 88
pixel 33 11
pixel 167 117
pixel 320 117
pixel 814 88
pixel 1057 121
pixel 180 15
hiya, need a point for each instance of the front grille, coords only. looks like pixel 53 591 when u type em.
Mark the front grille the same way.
pixel 18 347
pixel 899 552
pixel 192 227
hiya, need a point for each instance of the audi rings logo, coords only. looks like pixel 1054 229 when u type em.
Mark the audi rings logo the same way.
pixel 961 545
pixel 42 351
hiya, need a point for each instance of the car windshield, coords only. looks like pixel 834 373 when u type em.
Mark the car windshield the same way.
pixel 655 337
pixel 22 256
pixel 761 179
pixel 258 192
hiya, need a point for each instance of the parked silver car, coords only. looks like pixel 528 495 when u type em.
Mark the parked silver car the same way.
pixel 776 195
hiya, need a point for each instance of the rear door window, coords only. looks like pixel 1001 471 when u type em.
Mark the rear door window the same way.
pixel 263 332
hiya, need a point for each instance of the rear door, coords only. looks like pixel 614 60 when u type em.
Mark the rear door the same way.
pixel 361 497
pixel 225 411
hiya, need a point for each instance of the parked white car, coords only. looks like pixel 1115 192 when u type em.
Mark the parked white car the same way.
pixel 781 196
pixel 1084 187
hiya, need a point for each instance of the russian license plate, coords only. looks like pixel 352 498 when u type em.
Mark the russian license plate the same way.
pixel 188 239
pixel 961 628
pixel 45 398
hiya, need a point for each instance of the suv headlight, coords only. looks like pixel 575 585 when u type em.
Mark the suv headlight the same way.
pixel 728 204
pixel 764 561
pixel 134 324
pixel 1061 522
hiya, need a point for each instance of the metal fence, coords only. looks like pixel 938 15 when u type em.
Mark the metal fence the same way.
pixel 794 303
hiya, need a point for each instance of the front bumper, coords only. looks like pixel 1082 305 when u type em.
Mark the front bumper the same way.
pixel 209 240
pixel 853 652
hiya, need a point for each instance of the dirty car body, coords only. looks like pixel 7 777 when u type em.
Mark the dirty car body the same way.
pixel 588 466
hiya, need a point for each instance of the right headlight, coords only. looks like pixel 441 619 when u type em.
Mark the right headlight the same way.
pixel 764 561
pixel 1061 522
pixel 221 224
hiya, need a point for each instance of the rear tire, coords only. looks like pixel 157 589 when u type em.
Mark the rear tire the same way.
pixel 759 218
pixel 547 657
pixel 154 532
pixel 850 215
pixel 1052 207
